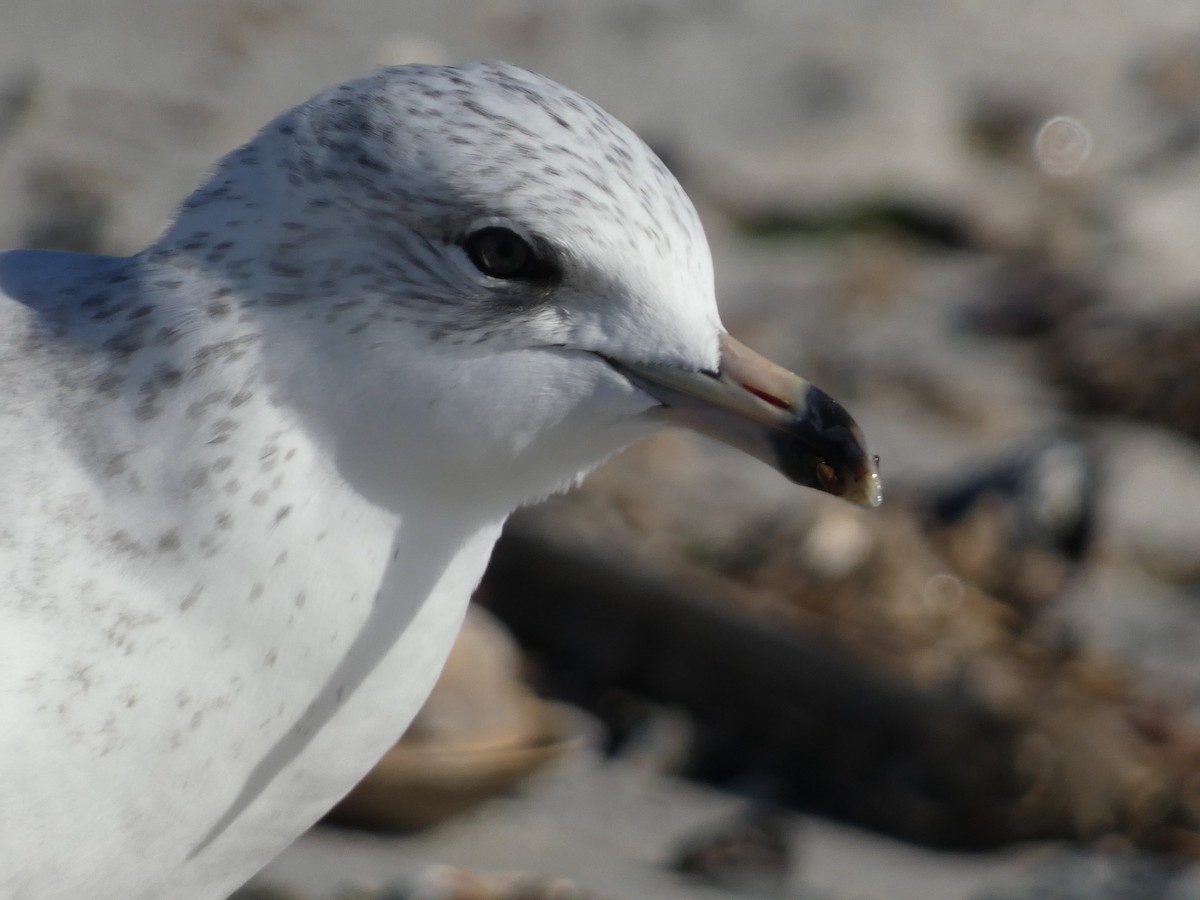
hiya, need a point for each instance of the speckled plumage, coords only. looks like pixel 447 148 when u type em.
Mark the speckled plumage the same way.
pixel 249 477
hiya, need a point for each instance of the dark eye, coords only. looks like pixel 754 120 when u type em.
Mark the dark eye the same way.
pixel 501 253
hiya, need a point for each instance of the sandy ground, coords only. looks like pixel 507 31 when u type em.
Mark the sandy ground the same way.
pixel 612 829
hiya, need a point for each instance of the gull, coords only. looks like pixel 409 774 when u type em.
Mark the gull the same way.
pixel 250 476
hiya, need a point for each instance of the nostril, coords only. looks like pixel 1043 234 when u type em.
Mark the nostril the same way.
pixel 777 402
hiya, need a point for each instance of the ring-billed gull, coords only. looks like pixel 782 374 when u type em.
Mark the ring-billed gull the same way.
pixel 252 474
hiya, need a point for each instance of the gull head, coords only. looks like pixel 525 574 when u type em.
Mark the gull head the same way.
pixel 478 281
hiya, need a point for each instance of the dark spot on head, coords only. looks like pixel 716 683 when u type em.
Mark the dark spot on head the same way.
pixel 167 336
pixel 190 600
pixel 107 385
pixel 167 376
pixel 126 342
pixel 146 410
pixel 116 465
pixel 221 429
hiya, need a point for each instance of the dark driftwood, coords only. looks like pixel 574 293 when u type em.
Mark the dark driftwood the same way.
pixel 803 721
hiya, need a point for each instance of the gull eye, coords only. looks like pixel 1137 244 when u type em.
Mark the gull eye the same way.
pixel 501 253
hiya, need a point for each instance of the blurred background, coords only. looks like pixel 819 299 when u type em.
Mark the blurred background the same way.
pixel 978 226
